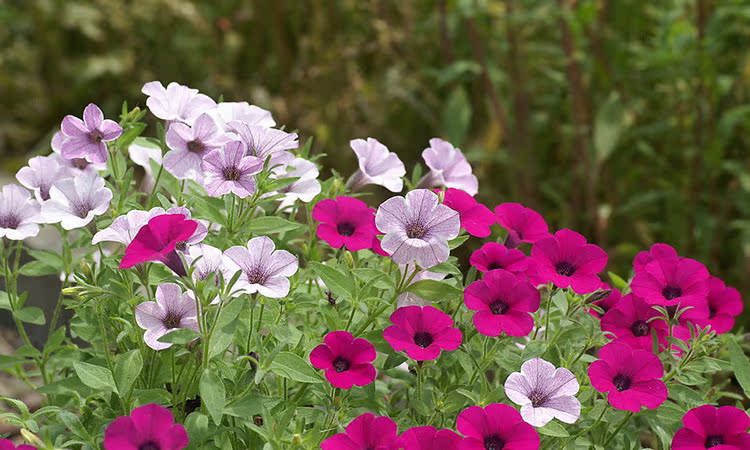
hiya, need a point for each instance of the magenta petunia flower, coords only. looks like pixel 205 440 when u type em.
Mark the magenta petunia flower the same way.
pixel 377 165
pixel 476 218
pixel 503 303
pixel 429 438
pixel 19 213
pixel 226 112
pixel 656 251
pixel 172 310
pixel 264 143
pixel 265 270
pixel 631 377
pixel 707 426
pixel 724 305
pixel 544 393
pixel 606 298
pixel 567 260
pixel 189 145
pixel 7 444
pixel 200 233
pixel 148 427
pixel 366 432
pixel 229 170
pixel 157 241
pixel 448 168
pixel 422 332
pixel 74 202
pixel 41 173
pixel 493 256
pixel 87 138
pixel 124 228
pixel 417 228
pixel 670 281
pixel 523 224
pixel 495 427
pixel 632 321
pixel 306 186
pixel 345 221
pixel 346 360
pixel 176 103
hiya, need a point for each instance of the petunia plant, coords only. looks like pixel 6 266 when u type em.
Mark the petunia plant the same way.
pixel 219 293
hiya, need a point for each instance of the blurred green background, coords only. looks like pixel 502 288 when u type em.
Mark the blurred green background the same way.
pixel 626 120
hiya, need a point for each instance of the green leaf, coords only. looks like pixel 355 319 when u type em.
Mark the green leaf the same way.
pixel 334 279
pixel 95 377
pixel 271 225
pixel 617 281
pixel 213 394
pixel 38 269
pixel 4 301
pixel 289 365
pixel 31 314
pixel 560 300
pixel 127 369
pixel 457 242
pixel 434 290
pixel 740 363
pixel 249 405
pixel 46 257
pixel 179 336
pixel 553 429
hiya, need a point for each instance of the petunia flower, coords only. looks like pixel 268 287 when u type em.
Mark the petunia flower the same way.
pixel 157 241
pixel 306 186
pixel 345 360
pixel 656 251
pixel 200 233
pixel 19 213
pixel 366 432
pixel 568 261
pixel 148 427
pixel 172 310
pixel 476 218
pixel 75 165
pixel 448 168
pixel 410 298
pixel 503 303
pixel 544 393
pixel 87 138
pixel 430 438
pixel 605 299
pixel 226 112
pixel 206 261
pixel 7 444
pixel 265 270
pixel 423 332
pixel 632 322
pixel 670 281
pixel 494 427
pixel 229 170
pixel 724 305
pixel 708 426
pixel 630 377
pixel 493 256
pixel 189 145
pixel 377 165
pixel 417 228
pixel 523 224
pixel 41 173
pixel 345 221
pixel 264 143
pixel 124 228
pixel 74 202
pixel 176 103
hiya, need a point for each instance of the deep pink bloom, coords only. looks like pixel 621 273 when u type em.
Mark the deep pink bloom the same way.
pixel 632 321
pixel 422 332
pixel 476 218
pixel 366 432
pixel 656 251
pixel 503 303
pixel 670 281
pixel 147 427
pixel 707 426
pixel 7 444
pixel 724 304
pixel 523 224
pixel 346 360
pixel 493 256
pixel 87 138
pixel 607 298
pixel 630 377
pixel 345 221
pixel 495 427
pixel 156 241
pixel 429 438
pixel 567 260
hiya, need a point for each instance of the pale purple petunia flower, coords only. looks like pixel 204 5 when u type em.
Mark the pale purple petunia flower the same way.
pixel 74 202
pixel 263 142
pixel 409 298
pixel 242 112
pixel 19 213
pixel 448 167
pixel 229 170
pixel 417 228
pixel 188 146
pixel 305 188
pixel 206 261
pixel 265 270
pixel 377 165
pixel 87 138
pixel 41 173
pixel 172 310
pixel 176 103
pixel 544 393
pixel 124 228
pixel 75 165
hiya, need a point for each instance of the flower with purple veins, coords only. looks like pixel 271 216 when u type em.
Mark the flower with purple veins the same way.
pixel 305 188
pixel 176 103
pixel 74 202
pixel 229 170
pixel 242 112
pixel 263 142
pixel 41 173
pixel 172 310
pixel 124 228
pixel 417 228
pixel 544 393
pixel 87 138
pixel 448 168
pixel 19 213
pixel 206 261
pixel 75 165
pixel 377 165
pixel 265 270
pixel 188 145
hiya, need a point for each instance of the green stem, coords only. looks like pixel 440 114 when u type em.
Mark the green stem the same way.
pixel 156 184
pixel 622 423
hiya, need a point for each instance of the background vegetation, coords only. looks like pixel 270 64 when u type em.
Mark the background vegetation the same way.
pixel 627 120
